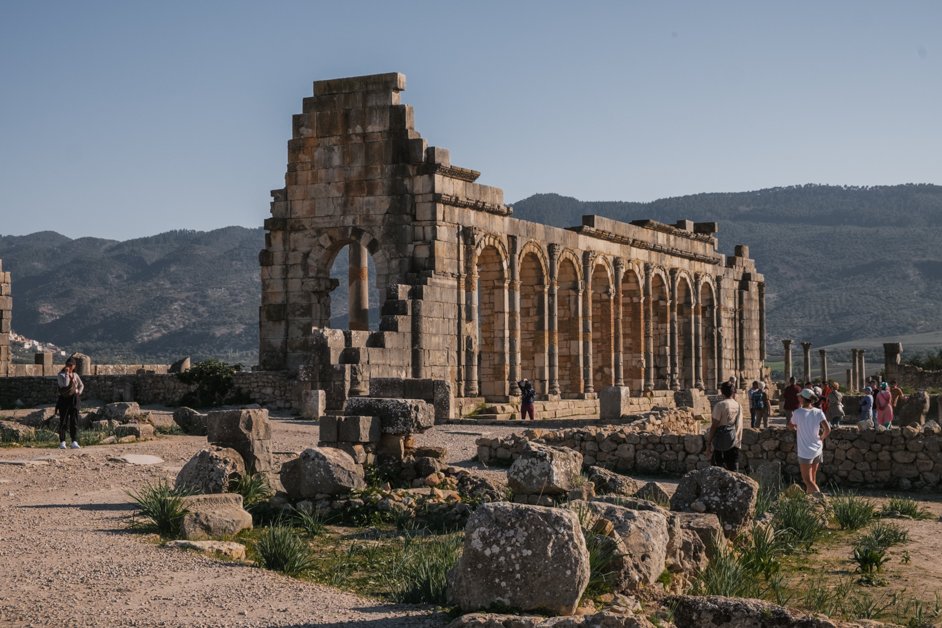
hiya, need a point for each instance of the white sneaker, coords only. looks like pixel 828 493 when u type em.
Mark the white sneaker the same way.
pixel 62 445
pixel 75 445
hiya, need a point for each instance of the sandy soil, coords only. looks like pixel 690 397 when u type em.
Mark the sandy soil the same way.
pixel 68 559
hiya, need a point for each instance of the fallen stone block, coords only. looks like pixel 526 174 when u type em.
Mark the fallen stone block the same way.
pixel 120 411
pixel 190 421
pixel 227 549
pixel 397 416
pixel 544 470
pixel 321 471
pixel 211 470
pixel 140 431
pixel 246 431
pixel 211 516
pixel 11 432
pixel 731 496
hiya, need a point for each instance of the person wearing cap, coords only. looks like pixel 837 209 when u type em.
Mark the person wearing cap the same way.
pixel 883 401
pixel 70 391
pixel 865 420
pixel 724 438
pixel 812 429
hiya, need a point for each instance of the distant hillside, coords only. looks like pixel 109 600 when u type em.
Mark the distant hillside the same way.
pixel 841 263
pixel 157 298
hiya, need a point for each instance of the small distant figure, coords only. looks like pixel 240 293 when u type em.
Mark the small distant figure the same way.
pixel 865 418
pixel 732 382
pixel 883 402
pixel 724 439
pixel 70 391
pixel 758 404
pixel 812 429
pixel 896 393
pixel 835 409
pixel 527 395
pixel 790 401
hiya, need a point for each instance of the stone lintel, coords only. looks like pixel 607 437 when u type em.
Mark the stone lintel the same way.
pixel 392 81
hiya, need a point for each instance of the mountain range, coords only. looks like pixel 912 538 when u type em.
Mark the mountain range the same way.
pixel 842 265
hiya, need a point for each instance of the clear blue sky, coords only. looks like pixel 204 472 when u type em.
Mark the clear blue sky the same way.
pixel 123 119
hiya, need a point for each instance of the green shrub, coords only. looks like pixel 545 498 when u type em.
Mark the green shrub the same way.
pixel 280 548
pixel 309 521
pixel 796 518
pixel 726 575
pixel 852 512
pixel 424 567
pixel 760 549
pixel 603 558
pixel 254 490
pixel 869 558
pixel 884 535
pixel 161 508
pixel 765 500
pixel 904 508
pixel 213 381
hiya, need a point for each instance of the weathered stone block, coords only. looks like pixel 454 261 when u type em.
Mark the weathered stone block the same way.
pixel 543 470
pixel 397 416
pixel 614 402
pixel 321 471
pixel 359 429
pixel 211 470
pixel 246 431
pixel 211 516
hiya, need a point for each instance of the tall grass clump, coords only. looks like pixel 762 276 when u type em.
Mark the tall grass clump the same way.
pixel 603 554
pixel 885 535
pixel 726 575
pixel 761 548
pixel 253 488
pixel 852 512
pixel 796 518
pixel 280 548
pixel 904 508
pixel 160 507
pixel 423 570
pixel 308 520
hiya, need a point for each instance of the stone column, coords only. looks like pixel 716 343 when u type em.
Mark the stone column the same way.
pixel 514 339
pixel 787 346
pixel 472 339
pixel 588 260
pixel 720 335
pixel 673 361
pixel 619 324
pixel 891 360
pixel 741 335
pixel 553 348
pixel 806 360
pixel 863 368
pixel 824 365
pixel 854 382
pixel 648 331
pixel 697 325
pixel 358 283
pixel 762 350
pixel 850 381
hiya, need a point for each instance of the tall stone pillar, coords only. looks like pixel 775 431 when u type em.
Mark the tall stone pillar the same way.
pixel 850 381
pixel 471 387
pixel 588 261
pixel 720 335
pixel 674 360
pixel 648 331
pixel 740 334
pixel 6 317
pixel 854 382
pixel 619 323
pixel 762 349
pixel 787 345
pixel 891 360
pixel 514 339
pixel 553 310
pixel 358 283
pixel 806 360
pixel 863 368
pixel 824 364
pixel 697 325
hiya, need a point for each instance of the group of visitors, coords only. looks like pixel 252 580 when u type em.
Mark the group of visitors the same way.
pixel 879 402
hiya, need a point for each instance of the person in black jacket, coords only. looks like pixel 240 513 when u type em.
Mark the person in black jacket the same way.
pixel 527 395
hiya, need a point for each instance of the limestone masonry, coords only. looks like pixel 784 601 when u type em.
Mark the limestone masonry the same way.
pixel 6 313
pixel 471 295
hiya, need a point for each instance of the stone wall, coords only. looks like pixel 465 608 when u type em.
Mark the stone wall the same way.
pixel 271 389
pixel 6 314
pixel 473 296
pixel 898 458
pixel 44 370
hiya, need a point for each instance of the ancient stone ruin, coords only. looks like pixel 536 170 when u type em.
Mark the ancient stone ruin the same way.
pixel 472 296
pixel 6 312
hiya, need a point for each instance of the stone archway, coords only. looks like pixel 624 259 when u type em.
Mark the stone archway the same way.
pixel 534 364
pixel 708 338
pixel 603 322
pixel 492 326
pixel 569 321
pixel 660 330
pixel 632 329
pixel 683 302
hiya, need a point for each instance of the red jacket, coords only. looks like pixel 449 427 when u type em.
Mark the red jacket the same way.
pixel 790 397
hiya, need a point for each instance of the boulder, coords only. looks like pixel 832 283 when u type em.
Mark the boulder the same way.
pixel 120 411
pixel 321 471
pixel 544 470
pixel 161 420
pixel 913 410
pixel 11 432
pixel 653 492
pixel 528 558
pixel 227 549
pixel 610 483
pixel 46 417
pixel 705 526
pixel 247 431
pixel 715 612
pixel 211 516
pixel 140 431
pixel 190 421
pixel 731 496
pixel 397 416
pixel 211 470
pixel 603 619
pixel 632 503
pixel 768 473
pixel 639 537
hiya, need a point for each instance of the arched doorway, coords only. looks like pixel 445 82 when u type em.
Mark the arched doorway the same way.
pixel 569 322
pixel 660 329
pixel 492 342
pixel 603 321
pixel 708 336
pixel 632 330
pixel 533 326
pixel 354 299
pixel 683 301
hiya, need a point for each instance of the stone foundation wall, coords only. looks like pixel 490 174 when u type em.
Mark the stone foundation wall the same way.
pixel 914 377
pixel 272 389
pixel 898 458
pixel 46 370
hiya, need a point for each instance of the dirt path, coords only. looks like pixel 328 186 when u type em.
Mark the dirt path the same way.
pixel 67 558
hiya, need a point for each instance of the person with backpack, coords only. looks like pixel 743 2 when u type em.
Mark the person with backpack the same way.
pixel 70 390
pixel 757 404
pixel 724 438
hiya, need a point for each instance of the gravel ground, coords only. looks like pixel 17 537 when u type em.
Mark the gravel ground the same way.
pixel 68 559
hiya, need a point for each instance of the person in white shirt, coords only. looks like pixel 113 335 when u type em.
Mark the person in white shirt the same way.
pixel 813 428
pixel 70 391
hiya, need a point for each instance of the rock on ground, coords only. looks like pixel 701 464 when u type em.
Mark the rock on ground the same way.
pixel 120 411
pixel 11 432
pixel 211 516
pixel 397 416
pixel 211 470
pixel 731 496
pixel 228 549
pixel 321 471
pixel 653 492
pixel 722 612
pixel 528 558
pixel 246 431
pixel 190 421
pixel 610 483
pixel 604 619
pixel 544 470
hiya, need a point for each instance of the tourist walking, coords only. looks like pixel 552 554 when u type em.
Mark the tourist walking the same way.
pixel 766 404
pixel 724 439
pixel 812 428
pixel 883 402
pixel 70 391
pixel 790 401
pixel 835 408
pixel 865 418
pixel 756 405
pixel 527 395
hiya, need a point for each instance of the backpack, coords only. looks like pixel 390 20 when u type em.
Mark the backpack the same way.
pixel 758 400
pixel 67 391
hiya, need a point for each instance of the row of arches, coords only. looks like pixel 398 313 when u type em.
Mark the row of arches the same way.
pixel 573 326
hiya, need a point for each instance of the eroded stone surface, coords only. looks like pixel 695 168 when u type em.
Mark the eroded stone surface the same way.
pixel 211 470
pixel 321 471
pixel 211 516
pixel 544 470
pixel 731 496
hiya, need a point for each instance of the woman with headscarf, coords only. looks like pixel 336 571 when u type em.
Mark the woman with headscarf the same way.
pixel 884 404
pixel 865 420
